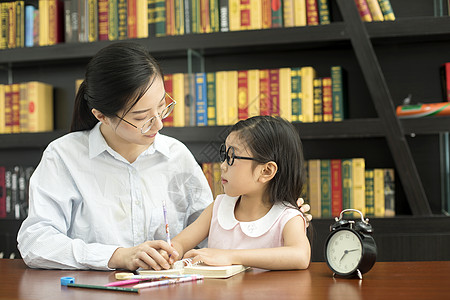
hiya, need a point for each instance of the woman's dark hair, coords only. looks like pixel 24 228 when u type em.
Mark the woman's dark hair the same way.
pixel 116 78
pixel 275 139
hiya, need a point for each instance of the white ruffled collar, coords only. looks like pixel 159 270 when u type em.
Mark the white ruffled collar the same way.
pixel 226 218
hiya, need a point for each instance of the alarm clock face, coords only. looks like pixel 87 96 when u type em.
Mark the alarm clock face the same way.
pixel 344 251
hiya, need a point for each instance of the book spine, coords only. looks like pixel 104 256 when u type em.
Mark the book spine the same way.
pixel 245 15
pixel 132 19
pixel 274 88
pixel 324 12
pixel 364 11
pixel 317 100
pixel 113 20
pixel 277 14
pixel 2 193
pixel 370 193
pixel 224 16
pixel 253 93
pixel 160 21
pixel 43 23
pixel 190 103
pixel 141 19
pixel 338 93
pixel 312 12
pixel 103 20
pixel 295 84
pixel 234 13
pixel 266 13
pixel 300 12
pixel 232 84
pixel 8 109
pixel 359 193
pixel 264 85
pixel 67 22
pixel 204 16
pixel 375 10
pixel 179 119
pixel 327 100
pixel 211 98
pixel 221 98
pixel 196 16
pixel 15 211
pixel 82 36
pixel 23 102
pixel 36 28
pixel 378 184
pixel 285 108
pixel 2 109
pixel 12 24
pixel 256 14
pixel 288 13
pixel 4 16
pixel 325 187
pixel 336 187
pixel 243 94
pixel 151 17
pixel 15 96
pixel 179 17
pixel 386 9
pixel 122 12
pixel 202 106
pixel 20 28
pixel 93 20
pixel 207 169
pixel 308 75
pixel 347 184
pixel 168 86
pixel 389 193
pixel 40 97
pixel 187 6
pixel 423 110
pixel 314 187
pixel 217 185
pixel 8 190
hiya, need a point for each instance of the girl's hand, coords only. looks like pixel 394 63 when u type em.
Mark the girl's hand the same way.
pixel 210 256
pixel 304 208
pixel 146 255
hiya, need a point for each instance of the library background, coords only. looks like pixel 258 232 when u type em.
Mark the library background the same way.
pixel 355 77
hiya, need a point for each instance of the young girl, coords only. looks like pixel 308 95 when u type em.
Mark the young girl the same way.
pixel 256 222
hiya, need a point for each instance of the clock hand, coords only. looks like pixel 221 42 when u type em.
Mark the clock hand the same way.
pixel 345 252
pixel 351 250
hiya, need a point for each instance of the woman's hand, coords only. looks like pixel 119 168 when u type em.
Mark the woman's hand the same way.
pixel 148 255
pixel 304 208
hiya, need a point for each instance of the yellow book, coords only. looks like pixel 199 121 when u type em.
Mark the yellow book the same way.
pixel 285 94
pixel 234 14
pixel 142 18
pixel 40 109
pixel 8 113
pixel 256 14
pixel 217 183
pixel 375 10
pixel 180 268
pixel 288 13
pixel 15 89
pixel 43 23
pixel 253 93
pixel 178 94
pixel 359 185
pixel 314 187
pixel 308 74
pixel 232 99
pixel 378 186
pixel 23 102
pixel 300 12
pixel 92 20
pixel 221 98
pixel 2 108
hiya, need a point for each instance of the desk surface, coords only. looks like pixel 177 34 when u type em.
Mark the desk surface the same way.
pixel 404 280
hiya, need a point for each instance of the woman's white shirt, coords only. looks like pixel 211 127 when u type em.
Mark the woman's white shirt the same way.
pixel 86 200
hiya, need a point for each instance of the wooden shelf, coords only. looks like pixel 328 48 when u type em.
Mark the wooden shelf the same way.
pixel 29 140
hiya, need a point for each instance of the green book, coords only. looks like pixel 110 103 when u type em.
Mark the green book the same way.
pixel 214 15
pixel 179 17
pixel 347 190
pixel 296 87
pixel 338 93
pixel 277 13
pixel 195 15
pixel 386 9
pixel 211 98
pixel 113 20
pixel 370 193
pixel 324 12
pixel 122 10
pixel 160 21
pixel 317 100
pixel 325 187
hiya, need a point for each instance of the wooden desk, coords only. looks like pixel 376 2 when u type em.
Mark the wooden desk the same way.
pixel 402 280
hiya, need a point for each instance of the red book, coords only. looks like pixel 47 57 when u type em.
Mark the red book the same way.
pixel 103 20
pixel 15 101
pixel 312 12
pixel 204 16
pixel 8 109
pixel 364 10
pixel 2 193
pixel 56 22
pixel 242 95
pixel 245 14
pixel 336 187
pixel 168 85
pixel 274 88
pixel 445 81
pixel 264 91
pixel 132 18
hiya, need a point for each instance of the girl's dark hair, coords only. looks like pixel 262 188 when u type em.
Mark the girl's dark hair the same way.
pixel 275 139
pixel 116 78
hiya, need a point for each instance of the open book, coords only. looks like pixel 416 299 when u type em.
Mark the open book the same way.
pixel 185 267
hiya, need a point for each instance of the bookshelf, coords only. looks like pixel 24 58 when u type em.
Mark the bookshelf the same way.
pixel 409 51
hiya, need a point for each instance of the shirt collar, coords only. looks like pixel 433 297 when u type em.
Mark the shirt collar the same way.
pixel 97 144
pixel 227 220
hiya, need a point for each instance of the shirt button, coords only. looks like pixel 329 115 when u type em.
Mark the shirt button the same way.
pixel 138 203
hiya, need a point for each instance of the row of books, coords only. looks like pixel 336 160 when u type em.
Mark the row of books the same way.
pixel 224 97
pixel 14 182
pixel 375 10
pixel 26 107
pixel 337 184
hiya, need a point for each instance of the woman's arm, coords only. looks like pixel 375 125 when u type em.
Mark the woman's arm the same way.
pixel 295 254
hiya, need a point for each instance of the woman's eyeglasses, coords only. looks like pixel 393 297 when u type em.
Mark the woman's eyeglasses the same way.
pixel 149 123
pixel 229 156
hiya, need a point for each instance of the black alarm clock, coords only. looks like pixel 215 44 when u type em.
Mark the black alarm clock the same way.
pixel 350 249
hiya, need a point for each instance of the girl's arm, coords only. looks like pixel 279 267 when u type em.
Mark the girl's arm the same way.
pixel 192 235
pixel 295 254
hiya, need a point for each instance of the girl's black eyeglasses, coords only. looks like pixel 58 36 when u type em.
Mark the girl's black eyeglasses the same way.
pixel 229 156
